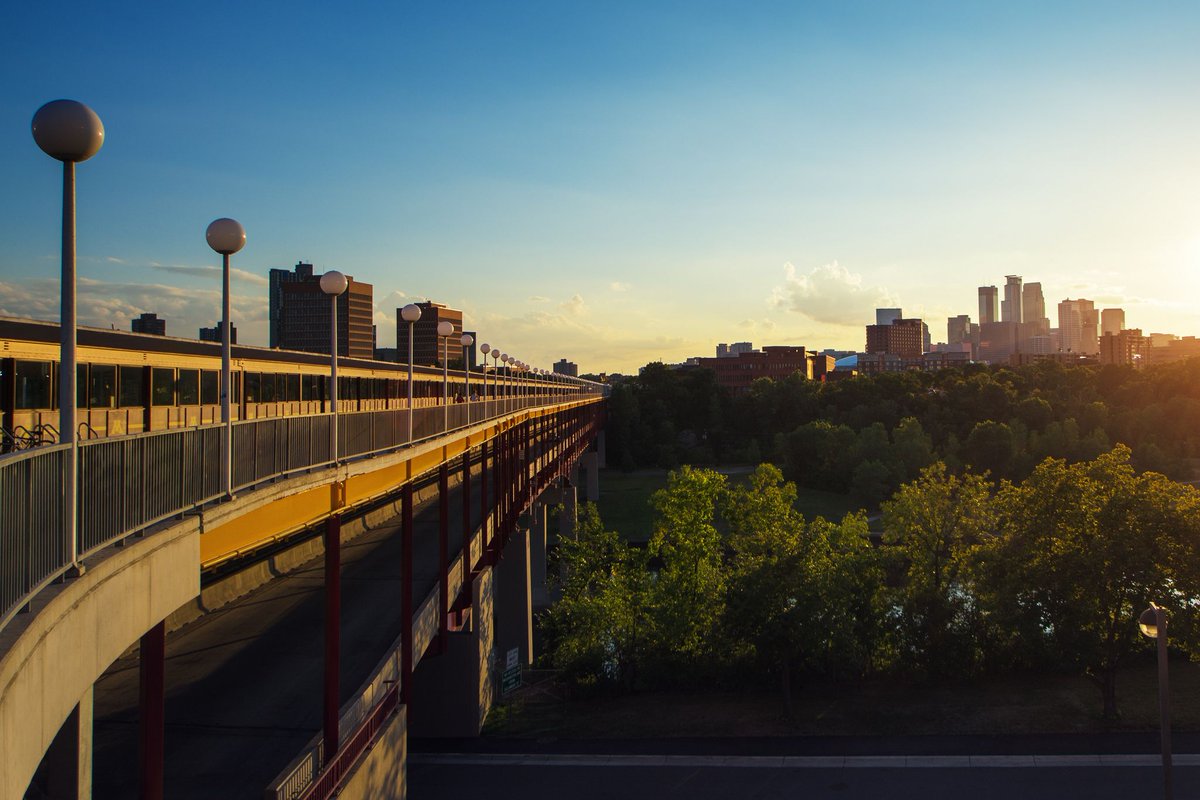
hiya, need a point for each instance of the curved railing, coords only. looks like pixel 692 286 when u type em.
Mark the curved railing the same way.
pixel 129 483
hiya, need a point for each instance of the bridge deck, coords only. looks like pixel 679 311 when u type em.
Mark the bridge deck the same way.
pixel 244 682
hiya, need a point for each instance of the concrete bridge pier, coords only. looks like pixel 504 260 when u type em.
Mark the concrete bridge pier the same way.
pixel 513 600
pixel 590 462
pixel 452 693
pixel 568 514
pixel 537 555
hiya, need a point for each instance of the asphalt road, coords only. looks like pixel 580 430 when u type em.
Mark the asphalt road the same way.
pixel 699 778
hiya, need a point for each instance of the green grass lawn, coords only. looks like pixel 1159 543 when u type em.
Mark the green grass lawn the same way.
pixel 625 500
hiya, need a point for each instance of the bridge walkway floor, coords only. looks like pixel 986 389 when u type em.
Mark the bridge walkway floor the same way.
pixel 244 683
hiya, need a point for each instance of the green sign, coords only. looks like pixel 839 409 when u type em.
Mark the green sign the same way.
pixel 510 680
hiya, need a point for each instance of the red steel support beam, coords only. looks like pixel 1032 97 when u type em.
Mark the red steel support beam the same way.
pixel 443 557
pixel 483 499
pixel 406 593
pixel 333 634
pixel 152 662
pixel 465 590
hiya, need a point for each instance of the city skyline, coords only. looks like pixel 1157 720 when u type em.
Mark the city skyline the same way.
pixel 617 186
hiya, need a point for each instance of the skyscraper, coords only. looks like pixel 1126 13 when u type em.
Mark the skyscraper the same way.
pixel 277 278
pixel 1010 308
pixel 429 348
pixel 303 318
pixel 886 316
pixel 987 304
pixel 1112 320
pixel 1033 304
pixel 149 323
pixel 1077 321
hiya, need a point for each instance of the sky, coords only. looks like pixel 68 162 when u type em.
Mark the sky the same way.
pixel 616 182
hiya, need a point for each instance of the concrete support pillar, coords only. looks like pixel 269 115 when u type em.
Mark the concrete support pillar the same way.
pixel 152 712
pixel 591 471
pixel 568 515
pixel 66 770
pixel 537 555
pixel 513 601
pixel 453 694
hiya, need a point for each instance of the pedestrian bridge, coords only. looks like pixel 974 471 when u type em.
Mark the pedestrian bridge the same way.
pixel 153 526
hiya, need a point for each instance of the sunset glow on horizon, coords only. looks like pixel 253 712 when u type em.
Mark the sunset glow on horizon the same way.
pixel 616 183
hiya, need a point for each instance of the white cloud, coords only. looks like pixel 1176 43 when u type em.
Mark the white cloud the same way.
pixel 830 294
pixel 619 286
pixel 537 298
pixel 575 306
pixel 210 272
pixel 104 304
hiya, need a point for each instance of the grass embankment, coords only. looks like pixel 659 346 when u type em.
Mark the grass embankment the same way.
pixel 1014 704
pixel 625 500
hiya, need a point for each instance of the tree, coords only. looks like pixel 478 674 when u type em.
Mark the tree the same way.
pixel 931 525
pixel 802 597
pixel 599 627
pixel 689 593
pixel 1087 547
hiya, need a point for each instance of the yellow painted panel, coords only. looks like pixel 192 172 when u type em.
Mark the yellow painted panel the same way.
pixel 263 525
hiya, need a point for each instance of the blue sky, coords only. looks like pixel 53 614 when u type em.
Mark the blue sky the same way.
pixel 616 182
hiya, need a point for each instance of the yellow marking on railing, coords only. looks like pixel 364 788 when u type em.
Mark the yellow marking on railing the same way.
pixel 294 513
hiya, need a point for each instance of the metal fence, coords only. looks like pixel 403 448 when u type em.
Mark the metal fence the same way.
pixel 128 483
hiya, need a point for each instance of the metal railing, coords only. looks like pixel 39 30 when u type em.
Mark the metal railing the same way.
pixel 129 483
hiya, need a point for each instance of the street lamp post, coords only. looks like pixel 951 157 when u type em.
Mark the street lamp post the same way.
pixel 485 348
pixel 496 373
pixel 467 340
pixel 1153 623
pixel 333 283
pixel 226 236
pixel 507 360
pixel 70 132
pixel 411 314
pixel 445 330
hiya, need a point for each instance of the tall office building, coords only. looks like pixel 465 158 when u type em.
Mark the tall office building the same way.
pixel 1112 320
pixel 277 278
pixel 886 316
pixel 1033 304
pixel 958 329
pixel 213 334
pixel 903 337
pixel 303 319
pixel 987 305
pixel 429 348
pixel 734 350
pixel 149 323
pixel 564 367
pixel 1077 322
pixel 1010 307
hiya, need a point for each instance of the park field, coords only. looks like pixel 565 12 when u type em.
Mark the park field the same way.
pixel 625 500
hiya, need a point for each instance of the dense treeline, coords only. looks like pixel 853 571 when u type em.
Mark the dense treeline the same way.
pixel 868 435
pixel 971 578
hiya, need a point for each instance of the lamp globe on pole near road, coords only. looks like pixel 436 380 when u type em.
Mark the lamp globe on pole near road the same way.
pixel 467 340
pixel 1153 623
pixel 334 284
pixel 71 132
pixel 485 348
pixel 507 360
pixel 445 330
pixel 226 236
pixel 411 314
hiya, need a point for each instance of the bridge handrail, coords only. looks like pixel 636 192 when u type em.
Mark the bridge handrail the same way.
pixel 128 483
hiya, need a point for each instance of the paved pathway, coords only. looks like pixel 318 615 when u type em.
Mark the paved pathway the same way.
pixel 244 683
